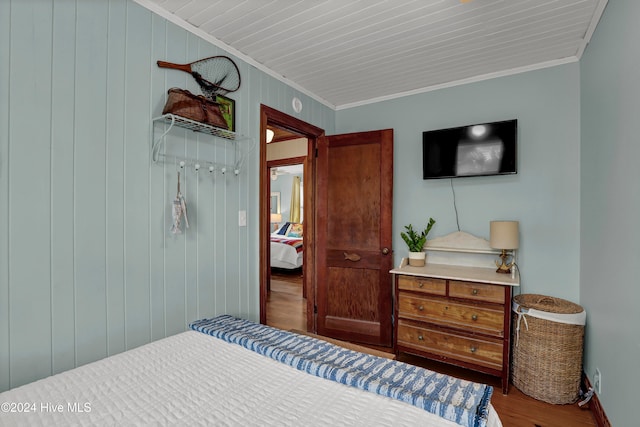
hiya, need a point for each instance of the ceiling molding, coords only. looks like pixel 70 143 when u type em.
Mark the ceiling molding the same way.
pixel 153 7
pixel 597 14
pixel 349 54
pixel 474 79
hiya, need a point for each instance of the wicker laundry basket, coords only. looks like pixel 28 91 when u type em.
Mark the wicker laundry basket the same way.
pixel 547 347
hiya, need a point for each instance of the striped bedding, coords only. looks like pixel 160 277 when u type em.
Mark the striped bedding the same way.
pixel 460 401
pixel 194 379
pixel 286 252
pixel 294 243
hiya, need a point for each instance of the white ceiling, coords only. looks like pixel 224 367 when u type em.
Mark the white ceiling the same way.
pixel 352 52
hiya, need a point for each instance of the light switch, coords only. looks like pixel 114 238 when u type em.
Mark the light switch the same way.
pixel 242 218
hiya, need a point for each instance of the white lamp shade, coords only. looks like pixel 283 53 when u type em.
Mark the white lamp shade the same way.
pixel 276 217
pixel 504 234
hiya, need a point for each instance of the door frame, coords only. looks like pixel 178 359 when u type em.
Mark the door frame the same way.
pixel 272 117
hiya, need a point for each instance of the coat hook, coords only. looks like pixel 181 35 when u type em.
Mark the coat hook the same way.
pixel 182 164
pixel 196 167
pixel 211 169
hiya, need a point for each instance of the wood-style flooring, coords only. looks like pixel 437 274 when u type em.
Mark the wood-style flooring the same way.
pixel 286 309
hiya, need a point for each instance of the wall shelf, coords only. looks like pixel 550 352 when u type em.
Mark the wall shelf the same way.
pixel 171 121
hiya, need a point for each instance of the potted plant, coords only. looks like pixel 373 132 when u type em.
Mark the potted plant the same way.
pixel 416 241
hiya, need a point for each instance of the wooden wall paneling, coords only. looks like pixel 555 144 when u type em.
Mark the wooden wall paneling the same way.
pixel 136 175
pixel 86 217
pixel 62 183
pixel 5 42
pixel 232 237
pixel 158 205
pixel 207 236
pixel 251 166
pixel 200 247
pixel 115 191
pixel 190 184
pixel 176 41
pixel 29 199
pixel 236 236
pixel 90 182
pixel 222 252
pixel 238 285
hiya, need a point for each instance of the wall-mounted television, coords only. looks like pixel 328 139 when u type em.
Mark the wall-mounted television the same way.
pixel 475 150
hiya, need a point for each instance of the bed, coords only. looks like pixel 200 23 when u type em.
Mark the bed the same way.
pixel 286 247
pixel 239 374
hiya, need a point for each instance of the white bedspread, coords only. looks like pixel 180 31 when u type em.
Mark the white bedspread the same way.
pixel 285 256
pixel 194 379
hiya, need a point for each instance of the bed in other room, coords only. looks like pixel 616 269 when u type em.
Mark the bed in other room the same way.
pixel 286 246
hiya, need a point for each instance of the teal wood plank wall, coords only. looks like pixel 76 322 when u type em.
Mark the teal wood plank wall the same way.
pixel 87 265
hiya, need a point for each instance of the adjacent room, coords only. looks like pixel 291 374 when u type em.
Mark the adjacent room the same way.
pixel 242 213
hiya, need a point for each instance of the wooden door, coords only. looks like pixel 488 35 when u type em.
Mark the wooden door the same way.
pixel 354 185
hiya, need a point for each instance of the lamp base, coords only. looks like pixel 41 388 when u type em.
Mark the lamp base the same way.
pixel 503 266
pixel 502 270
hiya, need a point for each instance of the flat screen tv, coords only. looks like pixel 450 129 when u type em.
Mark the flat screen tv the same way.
pixel 474 150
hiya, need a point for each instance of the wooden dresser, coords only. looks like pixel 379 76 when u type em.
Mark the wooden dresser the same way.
pixel 455 314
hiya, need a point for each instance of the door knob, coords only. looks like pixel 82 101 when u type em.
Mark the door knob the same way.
pixel 385 251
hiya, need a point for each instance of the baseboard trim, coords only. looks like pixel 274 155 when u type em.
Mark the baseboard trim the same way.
pixel 595 406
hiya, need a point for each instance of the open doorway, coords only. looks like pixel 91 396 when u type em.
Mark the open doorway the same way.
pixel 286 299
pixel 287 128
pixel 347 230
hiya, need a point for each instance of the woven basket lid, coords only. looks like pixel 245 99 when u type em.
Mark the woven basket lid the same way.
pixel 547 303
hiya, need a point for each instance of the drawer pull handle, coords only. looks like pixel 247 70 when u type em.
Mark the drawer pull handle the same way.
pixel 420 285
pixel 473 349
pixel 420 338
pixel 421 308
pixel 474 292
pixel 474 317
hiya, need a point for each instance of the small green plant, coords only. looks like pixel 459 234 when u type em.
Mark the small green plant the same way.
pixel 416 241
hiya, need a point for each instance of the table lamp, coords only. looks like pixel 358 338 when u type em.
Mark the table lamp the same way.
pixel 276 218
pixel 504 235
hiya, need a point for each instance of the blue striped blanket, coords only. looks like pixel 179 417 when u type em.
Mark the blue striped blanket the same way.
pixel 460 401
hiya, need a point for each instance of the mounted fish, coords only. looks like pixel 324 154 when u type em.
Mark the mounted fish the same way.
pixel 178 210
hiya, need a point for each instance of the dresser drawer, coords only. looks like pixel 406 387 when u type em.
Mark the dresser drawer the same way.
pixel 476 291
pixel 425 285
pixel 484 352
pixel 469 317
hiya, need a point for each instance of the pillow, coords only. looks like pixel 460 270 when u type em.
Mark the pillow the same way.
pixel 283 230
pixel 295 230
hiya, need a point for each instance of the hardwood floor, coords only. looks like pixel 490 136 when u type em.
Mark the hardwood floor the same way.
pixel 286 309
